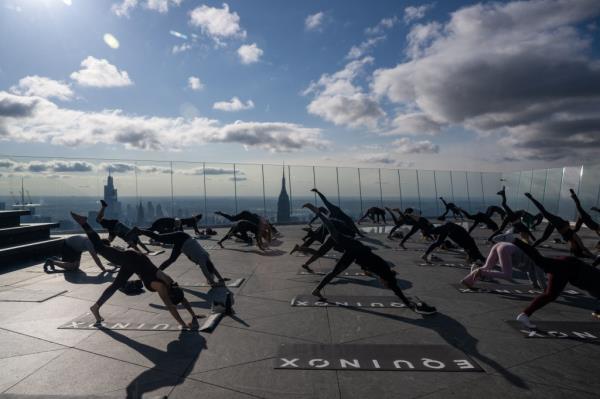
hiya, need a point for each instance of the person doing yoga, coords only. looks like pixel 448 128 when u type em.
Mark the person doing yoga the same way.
pixel 265 226
pixel 184 243
pixel 450 207
pixel 374 214
pixel 117 229
pixel 560 271
pixel 529 220
pixel 510 218
pixel 336 212
pixel 355 251
pixel 169 225
pixel 480 218
pixel 457 234
pixel 315 218
pixel 240 229
pixel 583 218
pixel 70 255
pixel 133 262
pixel 564 229
pixel 493 209
pixel 399 221
pixel 418 223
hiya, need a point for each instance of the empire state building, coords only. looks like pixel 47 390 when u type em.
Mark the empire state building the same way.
pixel 283 203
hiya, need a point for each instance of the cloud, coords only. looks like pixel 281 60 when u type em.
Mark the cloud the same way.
pixel 384 158
pixel 124 8
pixel 407 146
pixel 217 23
pixel 35 119
pixel 233 105
pixel 47 166
pixel 43 87
pixel 360 50
pixel 315 21
pixel 117 167
pixel 521 70
pixel 413 13
pixel 178 34
pixel 180 48
pixel 249 53
pixel 383 25
pixel 110 41
pixel 238 178
pixel 100 73
pixel 338 100
pixel 416 123
pixel 195 84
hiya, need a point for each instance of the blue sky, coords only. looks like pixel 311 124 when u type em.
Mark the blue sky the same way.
pixel 446 85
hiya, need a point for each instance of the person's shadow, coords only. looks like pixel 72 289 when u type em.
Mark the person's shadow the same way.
pixel 189 344
pixel 455 334
pixel 81 277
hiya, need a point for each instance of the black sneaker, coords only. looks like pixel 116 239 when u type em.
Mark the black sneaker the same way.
pixel 423 308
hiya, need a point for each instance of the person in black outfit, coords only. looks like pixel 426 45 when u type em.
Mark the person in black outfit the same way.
pixel 492 209
pixel 510 218
pixel 457 234
pixel 450 207
pixel 315 218
pixel 583 217
pixel 399 221
pixel 133 262
pixel 335 212
pixel 480 218
pixel 266 226
pixel 375 214
pixel 117 229
pixel 418 223
pixel 241 229
pixel 169 225
pixel 356 252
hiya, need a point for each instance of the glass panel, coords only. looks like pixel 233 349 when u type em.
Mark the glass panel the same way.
pixel 476 201
pixel 248 179
pixel 459 186
pixel 349 192
pixel 589 189
pixel 369 180
pixel 300 181
pixel 566 207
pixel 525 184
pixel 427 190
pixel 188 192
pixel 326 181
pixel 444 188
pixel 552 191
pixel 220 191
pixel 491 186
pixel 410 193
pixel 390 188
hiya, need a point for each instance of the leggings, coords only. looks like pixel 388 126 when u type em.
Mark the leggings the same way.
pixel 500 253
pixel 322 251
pixel 557 282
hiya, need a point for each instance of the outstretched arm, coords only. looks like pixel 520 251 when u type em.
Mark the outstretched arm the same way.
pixel 335 234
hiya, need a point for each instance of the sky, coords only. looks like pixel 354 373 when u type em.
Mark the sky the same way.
pixel 447 85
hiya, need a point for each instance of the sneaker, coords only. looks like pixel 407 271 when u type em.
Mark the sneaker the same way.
pixel 422 308
pixel 524 319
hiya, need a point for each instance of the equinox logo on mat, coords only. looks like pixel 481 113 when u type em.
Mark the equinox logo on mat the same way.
pixel 505 289
pixel 374 357
pixel 583 331
pixel 348 301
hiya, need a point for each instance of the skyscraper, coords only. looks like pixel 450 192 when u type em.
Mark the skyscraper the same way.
pixel 110 196
pixel 283 203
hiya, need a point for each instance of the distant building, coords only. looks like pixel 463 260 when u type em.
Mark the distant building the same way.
pixel 130 213
pixel 150 214
pixel 2 206
pixel 140 219
pixel 159 212
pixel 113 211
pixel 283 203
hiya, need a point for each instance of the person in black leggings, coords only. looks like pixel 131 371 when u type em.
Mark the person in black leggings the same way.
pixel 315 218
pixel 319 235
pixel 266 226
pixel 336 212
pixel 564 229
pixel 529 220
pixel 375 214
pixel 457 234
pixel 450 207
pixel 132 262
pixel 510 218
pixel 419 223
pixel 356 252
pixel 479 218
pixel 583 216
pixel 492 209
pixel 241 229
pixel 169 225
pixel 117 229
pixel 184 243
pixel 560 271
pixel 399 221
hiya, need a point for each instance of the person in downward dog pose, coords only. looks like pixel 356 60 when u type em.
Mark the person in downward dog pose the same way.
pixel 399 221
pixel 510 218
pixel 457 234
pixel 118 229
pixel 169 225
pixel 336 212
pixel 529 220
pixel 241 229
pixel 564 229
pixel 493 209
pixel 133 262
pixel 418 223
pixel 184 243
pixel 450 207
pixel 356 252
pixel 375 214
pixel 265 226
pixel 480 218
pixel 560 271
pixel 583 218
pixel 71 251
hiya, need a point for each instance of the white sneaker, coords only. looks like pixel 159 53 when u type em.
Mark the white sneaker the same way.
pixel 524 319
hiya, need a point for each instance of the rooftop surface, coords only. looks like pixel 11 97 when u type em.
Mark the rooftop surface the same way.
pixel 236 360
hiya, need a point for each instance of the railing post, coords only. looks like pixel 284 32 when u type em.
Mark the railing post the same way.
pixel 380 190
pixel 360 193
pixel 290 186
pixel 451 185
pixel 544 192
pixel 262 168
pixel 235 188
pixel 482 190
pixel 400 189
pixel 468 192
pixel 204 184
pixel 172 196
pixel 419 191
pixel 562 178
pixel 315 183
pixel 337 179
pixel 437 205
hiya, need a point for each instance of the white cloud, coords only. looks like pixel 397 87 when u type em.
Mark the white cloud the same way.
pixel 413 13
pixel 233 105
pixel 217 23
pixel 314 21
pixel 338 100
pixel 100 73
pixel 35 119
pixel 521 70
pixel 195 84
pixel 124 8
pixel 249 53
pixel 384 24
pixel 180 48
pixel 43 87
pixel 407 146
pixel 47 166
pixel 178 34
pixel 110 41
pixel 364 47
pixel 414 123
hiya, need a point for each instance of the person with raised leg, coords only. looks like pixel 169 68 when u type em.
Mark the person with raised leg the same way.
pixel 335 212
pixel 117 229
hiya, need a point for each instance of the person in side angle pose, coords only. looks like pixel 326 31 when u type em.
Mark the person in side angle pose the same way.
pixel 71 251
pixel 450 207
pixel 355 251
pixel 169 225
pixel 375 214
pixel 133 262
pixel 564 229
pixel 457 234
pixel 315 218
pixel 480 218
pixel 184 243
pixel 117 229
